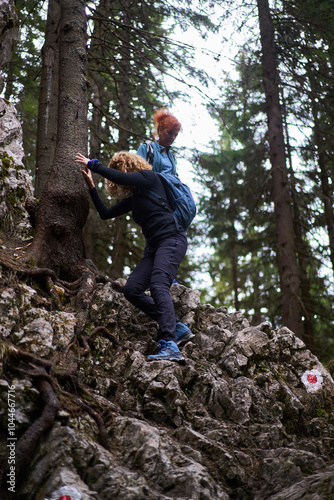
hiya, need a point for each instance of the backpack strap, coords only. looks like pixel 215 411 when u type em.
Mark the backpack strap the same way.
pixel 169 196
pixel 149 152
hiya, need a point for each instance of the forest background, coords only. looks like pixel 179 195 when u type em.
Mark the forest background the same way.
pixel 264 233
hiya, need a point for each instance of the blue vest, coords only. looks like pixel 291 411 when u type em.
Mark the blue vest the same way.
pixel 157 162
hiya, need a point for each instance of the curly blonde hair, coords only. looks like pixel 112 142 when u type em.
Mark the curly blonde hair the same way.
pixel 125 162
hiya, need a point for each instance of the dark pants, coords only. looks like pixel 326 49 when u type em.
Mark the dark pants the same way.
pixel 157 270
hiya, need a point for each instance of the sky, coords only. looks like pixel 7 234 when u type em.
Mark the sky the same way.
pixel 198 128
pixel 215 56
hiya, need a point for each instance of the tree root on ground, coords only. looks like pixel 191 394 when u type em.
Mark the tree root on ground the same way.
pixel 105 332
pixel 103 433
pixel 83 288
pixel 50 383
pixel 26 444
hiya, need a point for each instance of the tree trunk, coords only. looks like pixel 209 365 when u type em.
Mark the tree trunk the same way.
pixel 325 179
pixel 256 297
pixel 63 207
pixel 302 248
pixel 234 264
pixel 120 249
pixel 97 233
pixel 286 252
pixel 119 253
pixel 93 227
pixel 48 99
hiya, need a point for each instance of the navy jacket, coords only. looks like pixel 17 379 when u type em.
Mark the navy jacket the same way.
pixel 157 222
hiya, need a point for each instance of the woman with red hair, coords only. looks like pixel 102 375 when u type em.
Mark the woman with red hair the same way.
pixel 167 128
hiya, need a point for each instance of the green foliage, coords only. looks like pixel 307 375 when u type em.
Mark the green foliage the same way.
pixel 237 207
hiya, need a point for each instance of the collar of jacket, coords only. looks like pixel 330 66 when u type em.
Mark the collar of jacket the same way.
pixel 161 148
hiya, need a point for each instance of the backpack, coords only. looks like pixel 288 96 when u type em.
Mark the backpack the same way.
pixel 179 196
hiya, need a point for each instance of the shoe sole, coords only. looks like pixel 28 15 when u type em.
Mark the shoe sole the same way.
pixel 183 341
pixel 177 360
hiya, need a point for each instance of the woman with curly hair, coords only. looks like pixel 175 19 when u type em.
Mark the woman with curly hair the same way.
pixel 167 127
pixel 131 178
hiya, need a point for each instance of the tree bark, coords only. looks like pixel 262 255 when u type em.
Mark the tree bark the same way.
pixel 48 99
pixel 63 207
pixel 285 239
pixel 234 265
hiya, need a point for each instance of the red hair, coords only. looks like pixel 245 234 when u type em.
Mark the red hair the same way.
pixel 163 119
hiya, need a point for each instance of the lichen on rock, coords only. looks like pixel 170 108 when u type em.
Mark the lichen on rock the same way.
pixel 15 183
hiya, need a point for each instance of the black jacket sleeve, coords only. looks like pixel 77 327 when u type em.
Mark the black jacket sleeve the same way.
pixel 144 178
pixel 123 207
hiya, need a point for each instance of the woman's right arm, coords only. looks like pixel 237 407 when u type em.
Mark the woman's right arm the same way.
pixel 140 178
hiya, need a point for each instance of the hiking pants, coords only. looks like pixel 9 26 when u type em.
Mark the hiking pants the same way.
pixel 156 271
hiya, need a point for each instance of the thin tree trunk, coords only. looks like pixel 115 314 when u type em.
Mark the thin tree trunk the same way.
pixel 302 250
pixel 234 261
pixel 257 316
pixel 92 229
pixel 119 253
pixel 120 248
pixel 286 251
pixel 48 99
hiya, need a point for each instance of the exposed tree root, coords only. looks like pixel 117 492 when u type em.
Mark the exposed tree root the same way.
pixel 105 332
pixel 103 434
pixel 53 383
pixel 48 380
pixel 84 299
pixel 28 441
pixel 30 438
pixel 83 288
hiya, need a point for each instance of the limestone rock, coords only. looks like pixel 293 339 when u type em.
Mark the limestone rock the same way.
pixel 11 141
pixel 15 183
pixel 9 33
pixel 236 421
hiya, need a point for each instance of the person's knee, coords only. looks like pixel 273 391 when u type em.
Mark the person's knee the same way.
pixel 129 292
pixel 159 288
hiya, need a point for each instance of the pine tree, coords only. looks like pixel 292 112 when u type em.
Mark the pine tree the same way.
pixel 63 208
pixel 237 207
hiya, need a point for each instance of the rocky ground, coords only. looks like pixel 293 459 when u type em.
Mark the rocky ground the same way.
pixel 236 421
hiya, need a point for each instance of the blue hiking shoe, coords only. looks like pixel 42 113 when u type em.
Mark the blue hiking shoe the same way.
pixel 168 351
pixel 182 334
